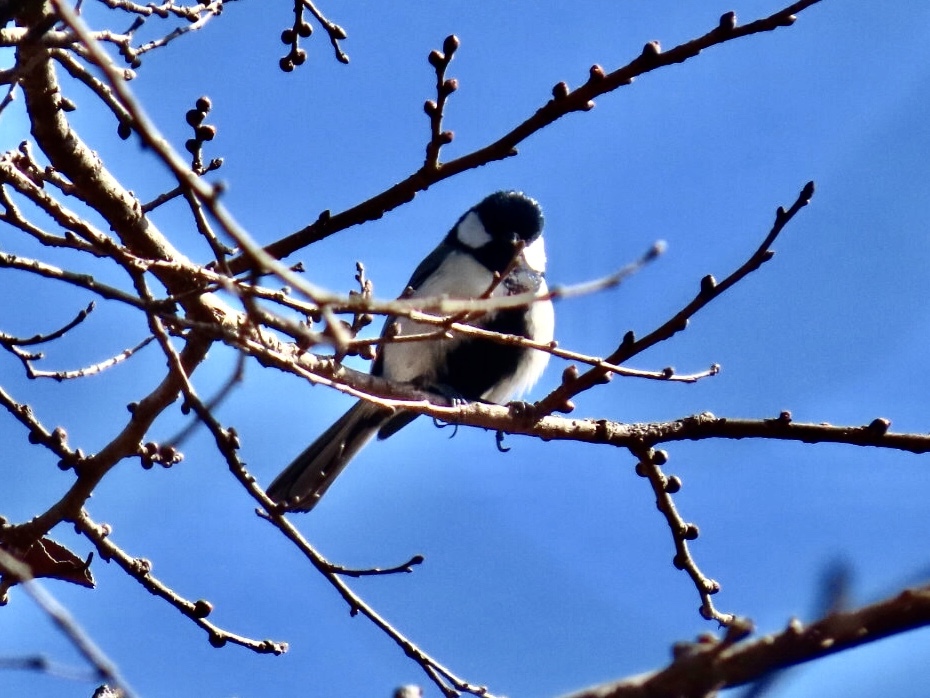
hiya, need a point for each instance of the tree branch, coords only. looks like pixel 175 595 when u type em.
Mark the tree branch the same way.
pixel 562 104
pixel 704 668
pixel 141 570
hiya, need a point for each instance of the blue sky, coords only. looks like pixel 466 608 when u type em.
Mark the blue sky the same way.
pixel 547 568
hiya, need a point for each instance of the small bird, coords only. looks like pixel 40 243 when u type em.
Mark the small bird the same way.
pixel 501 235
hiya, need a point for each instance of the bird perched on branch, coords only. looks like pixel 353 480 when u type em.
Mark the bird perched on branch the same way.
pixel 495 249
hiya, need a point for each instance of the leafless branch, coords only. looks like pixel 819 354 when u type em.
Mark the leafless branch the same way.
pixel 580 99
pixel 663 487
pixel 710 289
pixel 259 322
pixel 51 336
pixel 141 570
pixel 434 109
pixel 333 30
pixel 708 666
pixel 88 370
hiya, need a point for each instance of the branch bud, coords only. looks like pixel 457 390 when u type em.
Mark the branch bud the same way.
pixel 565 407
pixel 652 49
pixel 451 44
pixel 202 608
pixel 728 21
pixel 560 91
pixel 205 132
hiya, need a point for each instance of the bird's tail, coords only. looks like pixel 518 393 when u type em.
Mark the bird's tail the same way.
pixel 301 484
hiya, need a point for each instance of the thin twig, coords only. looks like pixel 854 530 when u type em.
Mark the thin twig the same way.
pixel 580 99
pixel 207 12
pixel 435 109
pixel 189 12
pixel 650 467
pixel 140 570
pixel 709 290
pixel 56 334
pixel 333 31
pixel 54 440
pixel 93 368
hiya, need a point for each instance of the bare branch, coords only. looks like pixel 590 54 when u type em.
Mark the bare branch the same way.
pixel 103 93
pixel 55 440
pixel 434 109
pixel 89 370
pixel 140 570
pixel 706 667
pixel 227 443
pixel 333 30
pixel 189 12
pixel 650 467
pixel 206 12
pixel 710 289
pixel 85 281
pixel 578 100
pixel 43 338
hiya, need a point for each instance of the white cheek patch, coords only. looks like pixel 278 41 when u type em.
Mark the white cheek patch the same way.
pixel 471 232
pixel 535 255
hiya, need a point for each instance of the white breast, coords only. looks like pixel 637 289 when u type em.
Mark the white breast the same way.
pixel 459 276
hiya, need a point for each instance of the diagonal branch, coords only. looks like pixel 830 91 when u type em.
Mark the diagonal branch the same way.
pixel 703 669
pixel 709 290
pixel 140 570
pixel 562 104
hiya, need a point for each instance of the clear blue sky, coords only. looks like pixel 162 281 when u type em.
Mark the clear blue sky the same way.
pixel 547 568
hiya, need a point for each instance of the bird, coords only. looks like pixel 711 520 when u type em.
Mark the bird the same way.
pixel 497 244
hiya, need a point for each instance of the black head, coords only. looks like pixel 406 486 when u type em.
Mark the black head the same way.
pixel 492 229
